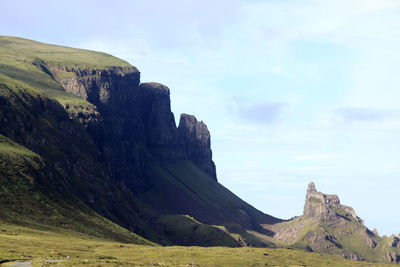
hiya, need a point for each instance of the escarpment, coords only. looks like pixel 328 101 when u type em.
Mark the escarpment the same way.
pixel 136 119
pixel 111 143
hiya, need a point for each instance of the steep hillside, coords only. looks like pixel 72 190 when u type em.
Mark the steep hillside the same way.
pixel 24 202
pixel 330 227
pixel 110 143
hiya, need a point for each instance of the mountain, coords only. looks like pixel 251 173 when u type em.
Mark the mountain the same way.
pixel 85 145
pixel 327 226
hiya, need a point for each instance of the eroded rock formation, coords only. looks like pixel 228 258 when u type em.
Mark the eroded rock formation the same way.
pixel 196 138
pixel 324 207
pixel 135 125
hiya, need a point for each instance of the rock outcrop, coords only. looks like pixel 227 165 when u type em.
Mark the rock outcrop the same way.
pixel 112 143
pixel 323 207
pixel 110 87
pixel 327 226
pixel 343 230
pixel 196 138
pixel 135 125
pixel 161 131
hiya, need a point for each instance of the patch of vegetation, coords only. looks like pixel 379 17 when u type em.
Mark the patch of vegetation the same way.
pixel 21 243
pixel 14 49
pixel 26 75
pixel 185 230
pixel 22 202
pixel 315 200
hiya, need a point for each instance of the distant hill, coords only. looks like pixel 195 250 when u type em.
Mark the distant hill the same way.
pixel 330 227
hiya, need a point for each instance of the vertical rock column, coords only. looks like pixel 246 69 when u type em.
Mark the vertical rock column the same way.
pixel 196 138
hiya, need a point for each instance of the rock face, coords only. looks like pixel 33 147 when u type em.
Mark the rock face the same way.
pixel 339 224
pixel 112 143
pixel 196 138
pixel 327 226
pixel 323 207
pixel 101 87
pixel 159 122
pixel 136 125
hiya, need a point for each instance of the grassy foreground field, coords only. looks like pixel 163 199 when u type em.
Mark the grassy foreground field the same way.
pixel 26 244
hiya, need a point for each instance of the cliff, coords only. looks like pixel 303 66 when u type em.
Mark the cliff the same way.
pixel 111 142
pixel 137 116
pixel 83 141
pixel 196 139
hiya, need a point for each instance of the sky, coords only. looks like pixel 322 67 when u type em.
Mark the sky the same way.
pixel 291 91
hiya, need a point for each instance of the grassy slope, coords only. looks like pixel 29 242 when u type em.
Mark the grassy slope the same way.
pixel 349 235
pixel 204 190
pixel 18 75
pixel 185 230
pixel 22 203
pixel 22 244
pixel 17 55
pixel 200 197
pixel 16 50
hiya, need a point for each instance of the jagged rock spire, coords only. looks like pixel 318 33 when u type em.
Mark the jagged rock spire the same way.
pixel 320 206
pixel 311 188
pixel 196 138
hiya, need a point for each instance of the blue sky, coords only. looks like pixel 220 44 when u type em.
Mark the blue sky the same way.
pixel 292 91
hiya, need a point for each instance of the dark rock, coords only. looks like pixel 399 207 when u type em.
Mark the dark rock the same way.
pixel 392 257
pixel 352 256
pixel 119 151
pixel 133 124
pixel 161 132
pixel 196 138
pixel 394 241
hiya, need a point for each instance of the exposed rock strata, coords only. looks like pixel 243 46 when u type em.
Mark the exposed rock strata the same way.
pixel 323 207
pixel 159 122
pixel 136 125
pixel 117 149
pixel 196 138
pixel 330 227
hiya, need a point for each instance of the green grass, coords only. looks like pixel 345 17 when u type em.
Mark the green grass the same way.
pixel 185 230
pixel 11 151
pixel 23 203
pixel 14 49
pixel 25 82
pixel 17 55
pixel 350 237
pixel 22 244
pixel 315 200
pixel 205 190
pixel 212 205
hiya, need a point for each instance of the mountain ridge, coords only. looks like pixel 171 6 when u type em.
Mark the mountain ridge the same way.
pixel 112 142
pixel 96 141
